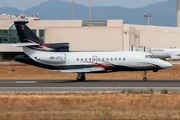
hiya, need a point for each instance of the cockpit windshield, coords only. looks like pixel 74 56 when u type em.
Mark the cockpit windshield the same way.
pixel 154 56
pixel 150 56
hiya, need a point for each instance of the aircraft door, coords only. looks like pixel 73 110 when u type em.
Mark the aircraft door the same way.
pixel 94 59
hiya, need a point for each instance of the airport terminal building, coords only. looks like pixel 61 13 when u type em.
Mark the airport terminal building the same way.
pixel 88 35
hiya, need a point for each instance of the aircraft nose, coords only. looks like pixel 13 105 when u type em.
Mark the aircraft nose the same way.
pixel 166 65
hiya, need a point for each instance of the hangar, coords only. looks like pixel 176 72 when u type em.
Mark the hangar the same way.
pixel 88 35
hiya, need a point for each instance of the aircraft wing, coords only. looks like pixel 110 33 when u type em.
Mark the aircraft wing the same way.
pixel 84 70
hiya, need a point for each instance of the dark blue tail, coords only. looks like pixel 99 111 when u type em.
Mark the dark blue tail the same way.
pixel 27 36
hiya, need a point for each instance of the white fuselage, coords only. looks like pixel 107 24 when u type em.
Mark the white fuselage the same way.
pixel 136 60
pixel 57 57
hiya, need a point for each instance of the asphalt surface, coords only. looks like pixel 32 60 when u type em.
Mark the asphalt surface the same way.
pixel 88 85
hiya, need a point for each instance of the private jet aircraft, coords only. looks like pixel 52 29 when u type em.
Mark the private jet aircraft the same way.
pixel 57 57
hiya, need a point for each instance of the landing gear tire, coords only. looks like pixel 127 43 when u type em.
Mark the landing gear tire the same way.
pixel 81 77
pixel 144 79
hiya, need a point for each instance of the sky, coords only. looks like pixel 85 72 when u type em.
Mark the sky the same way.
pixel 25 4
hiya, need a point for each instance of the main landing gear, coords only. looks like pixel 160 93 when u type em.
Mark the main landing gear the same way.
pixel 145 78
pixel 81 77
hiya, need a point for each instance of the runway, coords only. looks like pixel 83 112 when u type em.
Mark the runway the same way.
pixel 88 85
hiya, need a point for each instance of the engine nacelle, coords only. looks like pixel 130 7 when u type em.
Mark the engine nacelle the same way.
pixel 52 59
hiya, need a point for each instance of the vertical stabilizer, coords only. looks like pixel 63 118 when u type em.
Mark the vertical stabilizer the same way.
pixel 30 40
pixel 25 34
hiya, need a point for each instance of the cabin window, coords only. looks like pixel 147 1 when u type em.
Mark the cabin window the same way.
pixel 119 59
pixel 111 59
pixel 99 59
pixel 107 59
pixel 102 59
pixel 77 59
pixel 115 59
pixel 81 59
pixel 89 59
pixel 85 59
pixel 124 59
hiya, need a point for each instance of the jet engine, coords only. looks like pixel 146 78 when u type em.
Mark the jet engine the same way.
pixel 175 57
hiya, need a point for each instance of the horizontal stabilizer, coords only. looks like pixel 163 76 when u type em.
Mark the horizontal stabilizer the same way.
pixel 24 44
pixel 84 70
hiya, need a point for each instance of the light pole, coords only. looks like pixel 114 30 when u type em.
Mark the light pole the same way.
pixel 178 13
pixel 89 9
pixel 72 9
pixel 5 7
pixel 147 16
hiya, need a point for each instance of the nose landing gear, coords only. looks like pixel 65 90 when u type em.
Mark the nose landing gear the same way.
pixel 81 77
pixel 145 78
